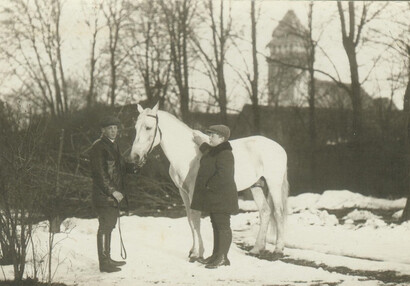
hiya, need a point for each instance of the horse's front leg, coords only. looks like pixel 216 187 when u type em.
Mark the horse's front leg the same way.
pixel 194 220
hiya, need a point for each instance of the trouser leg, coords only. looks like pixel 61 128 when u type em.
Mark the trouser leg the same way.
pixel 224 240
pixel 107 218
pixel 216 235
pixel 100 246
pixel 107 249
pixel 224 233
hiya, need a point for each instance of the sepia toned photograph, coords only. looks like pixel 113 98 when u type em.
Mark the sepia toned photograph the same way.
pixel 204 142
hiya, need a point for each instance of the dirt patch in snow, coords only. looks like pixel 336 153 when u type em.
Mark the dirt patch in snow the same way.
pixel 384 276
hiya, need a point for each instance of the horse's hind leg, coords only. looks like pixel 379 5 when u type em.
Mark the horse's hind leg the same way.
pixel 277 199
pixel 264 215
pixel 194 220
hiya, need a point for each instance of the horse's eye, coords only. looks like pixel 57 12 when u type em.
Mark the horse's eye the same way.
pixel 148 128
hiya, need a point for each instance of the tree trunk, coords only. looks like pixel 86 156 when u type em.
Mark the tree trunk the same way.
pixel 222 95
pixel 90 95
pixel 349 44
pixel 355 91
pixel 185 94
pixel 406 109
pixel 254 82
pixel 177 18
pixel 311 100
pixel 113 79
pixel 220 61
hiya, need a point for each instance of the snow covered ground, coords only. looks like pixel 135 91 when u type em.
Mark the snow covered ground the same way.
pixel 360 247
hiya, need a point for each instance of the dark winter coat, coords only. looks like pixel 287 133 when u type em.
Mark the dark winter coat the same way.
pixel 108 170
pixel 215 188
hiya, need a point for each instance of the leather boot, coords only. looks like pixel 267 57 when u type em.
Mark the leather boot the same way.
pixel 105 265
pixel 207 260
pixel 214 251
pixel 107 249
pixel 221 260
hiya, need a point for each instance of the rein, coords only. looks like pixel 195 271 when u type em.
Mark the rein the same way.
pixel 122 245
pixel 156 131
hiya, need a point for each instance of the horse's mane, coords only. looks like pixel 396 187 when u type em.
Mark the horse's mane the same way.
pixel 179 131
pixel 165 118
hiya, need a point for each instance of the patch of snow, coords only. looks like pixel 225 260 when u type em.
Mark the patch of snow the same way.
pixel 315 217
pixel 158 254
pixel 302 202
pixel 397 215
pixel 375 223
pixel 158 247
pixel 364 215
pixel 335 200
pixel 332 200
pixel 247 205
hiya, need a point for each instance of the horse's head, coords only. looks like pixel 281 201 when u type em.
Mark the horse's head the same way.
pixel 147 134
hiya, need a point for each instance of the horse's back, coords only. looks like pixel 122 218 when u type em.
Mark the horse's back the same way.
pixel 257 156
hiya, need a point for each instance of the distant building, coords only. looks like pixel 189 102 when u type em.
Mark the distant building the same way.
pixel 288 85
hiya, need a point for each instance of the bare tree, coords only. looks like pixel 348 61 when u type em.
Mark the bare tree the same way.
pixel 21 195
pixel 148 50
pixel 249 78
pixel 254 82
pixel 406 110
pixel 310 46
pixel 179 18
pixel 95 27
pixel 404 48
pixel 33 46
pixel 215 61
pixel 351 37
pixel 116 13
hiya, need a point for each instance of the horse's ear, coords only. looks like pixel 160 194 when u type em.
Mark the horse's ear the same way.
pixel 155 108
pixel 140 109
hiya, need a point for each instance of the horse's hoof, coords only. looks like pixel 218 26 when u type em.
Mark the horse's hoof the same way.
pixel 255 251
pixel 190 253
pixel 194 259
pixel 277 255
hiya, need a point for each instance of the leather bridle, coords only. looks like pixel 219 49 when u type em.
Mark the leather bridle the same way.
pixel 157 129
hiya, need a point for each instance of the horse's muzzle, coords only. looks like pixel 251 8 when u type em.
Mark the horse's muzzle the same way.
pixel 140 161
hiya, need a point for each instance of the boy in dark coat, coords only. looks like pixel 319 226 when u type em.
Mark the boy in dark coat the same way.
pixel 108 169
pixel 215 191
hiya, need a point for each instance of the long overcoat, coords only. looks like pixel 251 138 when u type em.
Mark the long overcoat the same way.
pixel 108 169
pixel 215 188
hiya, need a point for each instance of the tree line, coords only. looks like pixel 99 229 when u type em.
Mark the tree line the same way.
pixel 156 50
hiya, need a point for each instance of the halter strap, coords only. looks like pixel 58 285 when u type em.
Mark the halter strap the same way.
pixel 156 130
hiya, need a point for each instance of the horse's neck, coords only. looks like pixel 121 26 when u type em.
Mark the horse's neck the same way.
pixel 176 142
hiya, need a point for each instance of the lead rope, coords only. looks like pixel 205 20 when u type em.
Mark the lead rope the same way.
pixel 122 246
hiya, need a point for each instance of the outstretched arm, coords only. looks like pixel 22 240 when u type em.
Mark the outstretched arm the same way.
pixel 201 139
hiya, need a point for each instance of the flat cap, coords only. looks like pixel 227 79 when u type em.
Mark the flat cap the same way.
pixel 109 120
pixel 222 130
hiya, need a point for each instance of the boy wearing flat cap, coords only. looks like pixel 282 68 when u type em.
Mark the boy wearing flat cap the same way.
pixel 215 191
pixel 108 169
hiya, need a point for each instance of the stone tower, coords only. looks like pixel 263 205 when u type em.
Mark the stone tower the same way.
pixel 287 86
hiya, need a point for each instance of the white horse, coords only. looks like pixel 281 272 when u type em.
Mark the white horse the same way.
pixel 256 157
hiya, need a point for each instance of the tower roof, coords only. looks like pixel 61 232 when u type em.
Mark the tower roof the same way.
pixel 290 24
pixel 289 31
